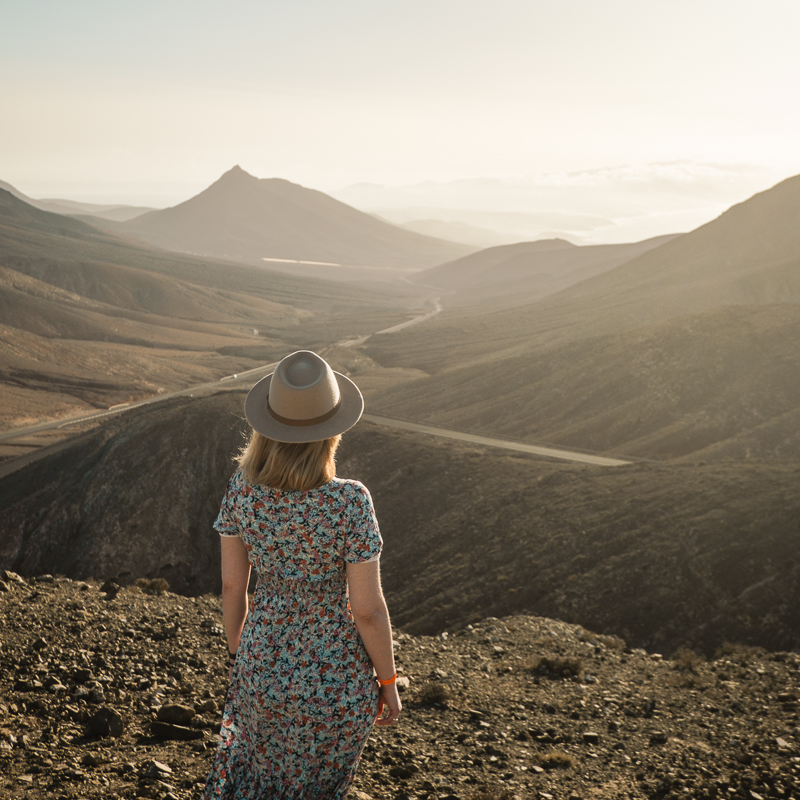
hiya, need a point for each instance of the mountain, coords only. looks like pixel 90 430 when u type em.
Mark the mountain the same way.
pixel 113 211
pixel 690 348
pixel 243 218
pixel 516 274
pixel 89 318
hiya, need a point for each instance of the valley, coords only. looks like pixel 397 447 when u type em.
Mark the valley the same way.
pixel 673 371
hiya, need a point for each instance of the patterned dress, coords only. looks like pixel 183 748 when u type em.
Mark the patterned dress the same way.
pixel 303 697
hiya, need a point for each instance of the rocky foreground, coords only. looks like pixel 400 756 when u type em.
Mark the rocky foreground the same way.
pixel 112 692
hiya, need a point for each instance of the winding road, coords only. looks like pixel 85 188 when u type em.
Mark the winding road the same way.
pixel 235 381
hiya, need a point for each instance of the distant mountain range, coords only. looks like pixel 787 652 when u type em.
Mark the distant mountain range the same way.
pixel 515 274
pixel 115 212
pixel 242 218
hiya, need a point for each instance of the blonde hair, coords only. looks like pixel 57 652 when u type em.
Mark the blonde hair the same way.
pixel 288 465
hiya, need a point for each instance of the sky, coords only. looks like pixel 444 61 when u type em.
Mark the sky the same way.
pixel 147 102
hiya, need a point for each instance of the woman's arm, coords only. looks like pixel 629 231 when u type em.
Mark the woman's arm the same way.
pixel 235 577
pixel 372 621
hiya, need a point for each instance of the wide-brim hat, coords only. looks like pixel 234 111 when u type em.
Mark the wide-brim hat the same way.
pixel 304 400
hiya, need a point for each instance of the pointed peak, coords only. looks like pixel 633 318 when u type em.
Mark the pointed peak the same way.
pixel 237 173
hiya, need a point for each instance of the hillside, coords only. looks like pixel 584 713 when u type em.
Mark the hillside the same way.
pixel 516 274
pixel 749 255
pixel 689 348
pixel 242 218
pixel 90 318
pixel 662 555
pixel 713 385
pixel 118 693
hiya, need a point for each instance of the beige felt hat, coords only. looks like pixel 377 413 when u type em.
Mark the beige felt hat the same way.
pixel 304 400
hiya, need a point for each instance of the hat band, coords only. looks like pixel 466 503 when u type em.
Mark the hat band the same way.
pixel 303 422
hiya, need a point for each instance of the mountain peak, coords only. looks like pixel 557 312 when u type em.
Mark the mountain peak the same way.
pixel 237 173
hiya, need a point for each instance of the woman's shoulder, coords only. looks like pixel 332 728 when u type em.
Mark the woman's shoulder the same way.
pixel 347 486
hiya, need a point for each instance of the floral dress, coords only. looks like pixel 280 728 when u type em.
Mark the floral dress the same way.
pixel 303 696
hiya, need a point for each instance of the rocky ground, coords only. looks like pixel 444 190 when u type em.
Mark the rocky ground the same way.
pixel 116 693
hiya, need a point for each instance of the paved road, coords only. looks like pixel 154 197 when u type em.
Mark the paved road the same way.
pixel 94 416
pixel 437 307
pixel 505 444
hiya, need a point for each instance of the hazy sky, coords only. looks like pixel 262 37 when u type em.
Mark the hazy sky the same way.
pixel 149 102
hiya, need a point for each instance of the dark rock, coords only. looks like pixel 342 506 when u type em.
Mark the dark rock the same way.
pixel 92 760
pixel 110 588
pixel 658 737
pixel 82 675
pixel 590 737
pixel 106 722
pixel 403 772
pixel 175 714
pixel 154 769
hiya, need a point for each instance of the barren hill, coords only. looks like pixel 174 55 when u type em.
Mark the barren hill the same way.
pixel 517 274
pixel 663 555
pixel 689 348
pixel 243 218
pixel 91 318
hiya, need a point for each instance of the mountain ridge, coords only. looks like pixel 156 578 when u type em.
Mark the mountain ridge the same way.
pixel 657 326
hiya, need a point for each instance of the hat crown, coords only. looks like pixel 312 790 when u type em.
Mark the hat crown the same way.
pixel 303 387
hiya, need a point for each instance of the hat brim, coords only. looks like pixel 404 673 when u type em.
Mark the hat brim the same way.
pixel 349 412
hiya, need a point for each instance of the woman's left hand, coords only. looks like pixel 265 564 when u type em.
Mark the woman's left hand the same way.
pixel 389 700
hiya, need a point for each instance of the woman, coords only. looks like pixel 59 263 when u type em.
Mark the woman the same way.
pixel 310 671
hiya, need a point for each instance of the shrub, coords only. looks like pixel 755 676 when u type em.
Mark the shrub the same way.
pixel 154 586
pixel 558 667
pixel 687 660
pixel 556 759
pixel 742 653
pixel 433 693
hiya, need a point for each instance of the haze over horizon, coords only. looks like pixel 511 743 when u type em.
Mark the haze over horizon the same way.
pixel 627 120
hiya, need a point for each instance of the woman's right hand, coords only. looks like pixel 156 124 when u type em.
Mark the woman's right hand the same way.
pixel 389 699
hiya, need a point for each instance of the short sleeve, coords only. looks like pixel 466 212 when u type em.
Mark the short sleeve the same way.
pixel 364 542
pixel 225 523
